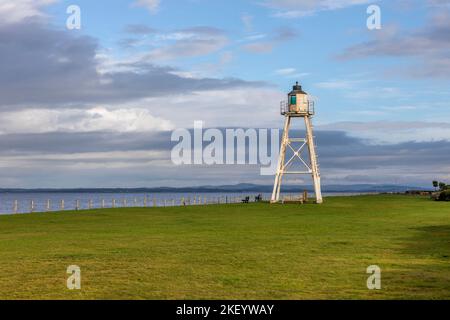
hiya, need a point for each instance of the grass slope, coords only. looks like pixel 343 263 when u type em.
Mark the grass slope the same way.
pixel 254 251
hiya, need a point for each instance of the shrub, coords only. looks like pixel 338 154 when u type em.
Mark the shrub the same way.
pixel 444 196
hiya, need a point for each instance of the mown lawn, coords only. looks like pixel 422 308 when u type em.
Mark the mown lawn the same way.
pixel 254 251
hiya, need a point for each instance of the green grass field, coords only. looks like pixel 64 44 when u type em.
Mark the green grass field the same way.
pixel 254 251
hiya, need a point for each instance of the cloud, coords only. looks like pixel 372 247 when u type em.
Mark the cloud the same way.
pixel 70 120
pixel 150 5
pixel 217 108
pixel 390 132
pixel 18 10
pixel 430 45
pixel 338 84
pixel 62 159
pixel 247 21
pixel 176 44
pixel 130 43
pixel 259 47
pixel 139 29
pixel 190 42
pixel 291 9
pixel 99 119
pixel 278 37
pixel 286 71
pixel 42 66
pixel 439 2
pixel 82 142
pixel 291 73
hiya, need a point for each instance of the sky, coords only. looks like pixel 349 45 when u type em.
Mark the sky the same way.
pixel 95 107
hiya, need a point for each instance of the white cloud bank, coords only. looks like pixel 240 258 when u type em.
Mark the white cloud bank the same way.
pixel 98 119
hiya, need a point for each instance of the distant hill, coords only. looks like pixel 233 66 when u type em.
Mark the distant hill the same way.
pixel 244 187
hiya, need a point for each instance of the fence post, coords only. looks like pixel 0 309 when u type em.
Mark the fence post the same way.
pixel 77 205
pixel 103 204
pixel 305 196
pixel 32 206
pixel 154 202
pixel 62 205
pixel 145 202
pixel 113 203
pixel 16 206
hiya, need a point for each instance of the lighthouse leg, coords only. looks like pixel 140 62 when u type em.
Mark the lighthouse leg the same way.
pixel 281 162
pixel 314 163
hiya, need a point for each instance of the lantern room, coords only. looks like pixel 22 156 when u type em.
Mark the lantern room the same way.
pixel 298 103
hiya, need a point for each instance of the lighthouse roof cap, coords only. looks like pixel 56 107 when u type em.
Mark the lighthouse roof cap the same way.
pixel 297 89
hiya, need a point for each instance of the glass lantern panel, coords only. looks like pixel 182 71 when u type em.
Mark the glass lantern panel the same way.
pixel 293 100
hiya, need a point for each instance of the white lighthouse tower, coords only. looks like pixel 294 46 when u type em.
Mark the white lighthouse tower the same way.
pixel 300 107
